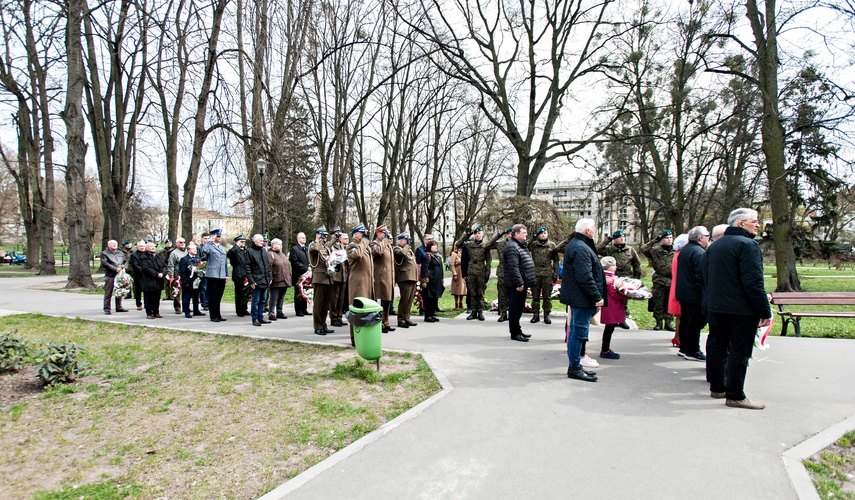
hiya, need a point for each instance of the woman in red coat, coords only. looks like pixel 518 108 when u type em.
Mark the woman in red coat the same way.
pixel 614 313
pixel 673 305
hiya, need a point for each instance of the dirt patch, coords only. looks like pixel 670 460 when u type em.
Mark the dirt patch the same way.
pixel 19 386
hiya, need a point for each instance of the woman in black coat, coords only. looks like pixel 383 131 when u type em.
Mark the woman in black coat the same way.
pixel 432 281
pixel 152 268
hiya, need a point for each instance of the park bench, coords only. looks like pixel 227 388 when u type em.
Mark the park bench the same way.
pixel 782 299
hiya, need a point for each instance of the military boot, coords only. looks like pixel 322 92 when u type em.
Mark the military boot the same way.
pixel 669 325
pixel 546 319
pixel 481 316
pixel 503 317
pixel 472 315
pixel 535 318
pixel 658 325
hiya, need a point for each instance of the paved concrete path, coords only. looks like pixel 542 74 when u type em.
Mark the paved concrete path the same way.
pixel 515 427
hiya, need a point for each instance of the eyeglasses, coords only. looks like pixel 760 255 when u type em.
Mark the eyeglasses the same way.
pixel 755 221
pixel 706 235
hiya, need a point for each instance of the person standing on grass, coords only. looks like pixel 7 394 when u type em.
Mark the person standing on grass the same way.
pixel 519 275
pixel 112 259
pixel 736 296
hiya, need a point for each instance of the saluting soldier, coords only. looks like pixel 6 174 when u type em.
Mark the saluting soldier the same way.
pixel 384 273
pixel 361 281
pixel 477 272
pixel 321 281
pixel 500 276
pixel 338 295
pixel 546 256
pixel 661 254
pixel 406 277
pixel 628 263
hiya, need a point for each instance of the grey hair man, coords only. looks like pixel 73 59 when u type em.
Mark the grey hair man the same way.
pixel 737 299
pixel 689 291
pixel 112 259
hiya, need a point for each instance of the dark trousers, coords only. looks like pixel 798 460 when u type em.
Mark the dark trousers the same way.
pixel 203 292
pixel 151 299
pixel 405 303
pixel 321 306
pixel 241 299
pixel 503 295
pixel 216 287
pixel 729 349
pixel 109 286
pixel 516 304
pixel 386 305
pixel 277 298
pixel 187 295
pixel 137 290
pixel 608 331
pixel 692 321
pixel 300 304
pixel 431 306
pixel 338 297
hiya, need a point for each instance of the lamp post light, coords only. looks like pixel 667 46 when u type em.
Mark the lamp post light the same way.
pixel 261 166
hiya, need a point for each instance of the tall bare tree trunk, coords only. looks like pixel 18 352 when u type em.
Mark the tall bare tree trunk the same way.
pixel 79 248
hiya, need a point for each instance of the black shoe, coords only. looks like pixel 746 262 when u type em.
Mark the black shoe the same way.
pixel 526 335
pixel 327 330
pixel 392 313
pixel 107 312
pixel 320 332
pixel 223 319
pixel 215 320
pixel 204 308
pixel 403 325
pixel 264 321
pixel 519 337
pixel 658 326
pixel 503 317
pixel 624 325
pixel 471 316
pixel 410 323
pixel 669 326
pixel 390 328
pixel 255 323
pixel 121 310
pixel 199 313
pixel 431 320
pixel 435 319
pixel 579 374
pixel 384 330
pixel 535 318
pixel 480 316
pixel 188 315
pixel 546 319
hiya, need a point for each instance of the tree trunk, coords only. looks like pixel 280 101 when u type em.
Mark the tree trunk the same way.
pixel 79 248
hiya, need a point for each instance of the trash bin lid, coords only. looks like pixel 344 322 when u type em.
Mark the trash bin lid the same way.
pixel 363 305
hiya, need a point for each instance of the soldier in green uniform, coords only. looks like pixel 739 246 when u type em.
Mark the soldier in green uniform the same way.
pixel 477 272
pixel 545 255
pixel 661 254
pixel 500 275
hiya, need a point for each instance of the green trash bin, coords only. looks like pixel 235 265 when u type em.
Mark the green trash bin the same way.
pixel 366 317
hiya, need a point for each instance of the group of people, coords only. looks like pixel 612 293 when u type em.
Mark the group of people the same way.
pixel 715 278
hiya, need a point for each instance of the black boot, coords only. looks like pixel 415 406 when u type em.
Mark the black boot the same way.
pixel 669 325
pixel 472 315
pixel 535 318
pixel 546 319
pixel 480 316
pixel 503 317
pixel 658 325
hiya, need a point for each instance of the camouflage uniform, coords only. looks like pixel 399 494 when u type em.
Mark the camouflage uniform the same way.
pixel 660 258
pixel 545 255
pixel 628 263
pixel 476 273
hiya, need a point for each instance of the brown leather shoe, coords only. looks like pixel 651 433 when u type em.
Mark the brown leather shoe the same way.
pixel 158 316
pixel 744 403
pixel 717 395
pixel 150 317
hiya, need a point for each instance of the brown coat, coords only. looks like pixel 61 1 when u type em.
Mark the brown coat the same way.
pixel 384 269
pixel 280 268
pixel 318 254
pixel 458 285
pixel 361 281
pixel 405 264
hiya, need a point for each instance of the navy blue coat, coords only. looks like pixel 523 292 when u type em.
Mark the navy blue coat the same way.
pixel 583 282
pixel 735 276
pixel 690 276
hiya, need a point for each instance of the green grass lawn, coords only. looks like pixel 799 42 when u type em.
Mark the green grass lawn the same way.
pixel 171 414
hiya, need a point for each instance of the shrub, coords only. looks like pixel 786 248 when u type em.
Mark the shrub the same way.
pixel 13 352
pixel 57 362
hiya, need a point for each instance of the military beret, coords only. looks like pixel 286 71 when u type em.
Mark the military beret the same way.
pixel 479 228
pixel 541 229
pixel 126 242
pixel 617 234
pixel 509 229
pixel 665 233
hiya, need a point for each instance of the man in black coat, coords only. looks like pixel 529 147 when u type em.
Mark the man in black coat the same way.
pixel 299 259
pixel 259 275
pixel 689 292
pixel 519 275
pixel 583 288
pixel 238 258
pixel 737 299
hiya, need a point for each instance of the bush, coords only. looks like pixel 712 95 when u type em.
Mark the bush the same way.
pixel 13 352
pixel 58 363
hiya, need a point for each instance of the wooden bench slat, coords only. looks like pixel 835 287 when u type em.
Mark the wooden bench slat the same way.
pixel 814 302
pixel 811 299
pixel 820 314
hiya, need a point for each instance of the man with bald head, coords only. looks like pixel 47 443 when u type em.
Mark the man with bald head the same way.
pixel 112 259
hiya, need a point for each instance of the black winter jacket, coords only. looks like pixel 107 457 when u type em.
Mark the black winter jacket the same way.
pixel 432 269
pixel 690 274
pixel 517 264
pixel 237 258
pixel 257 269
pixel 583 282
pixel 299 259
pixel 735 276
pixel 150 265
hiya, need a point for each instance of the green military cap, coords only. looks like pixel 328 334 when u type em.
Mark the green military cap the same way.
pixel 479 228
pixel 541 229
pixel 665 233
pixel 617 234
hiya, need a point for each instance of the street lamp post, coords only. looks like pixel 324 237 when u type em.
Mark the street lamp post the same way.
pixel 261 166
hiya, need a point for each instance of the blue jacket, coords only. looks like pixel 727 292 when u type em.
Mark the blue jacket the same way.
pixel 735 276
pixel 215 254
pixel 583 282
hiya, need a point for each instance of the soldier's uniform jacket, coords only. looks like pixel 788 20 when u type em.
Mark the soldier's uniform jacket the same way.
pixel 318 254
pixel 480 259
pixel 340 275
pixel 545 255
pixel 361 281
pixel 500 271
pixel 628 263
pixel 384 269
pixel 128 267
pixel 405 264
pixel 660 259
